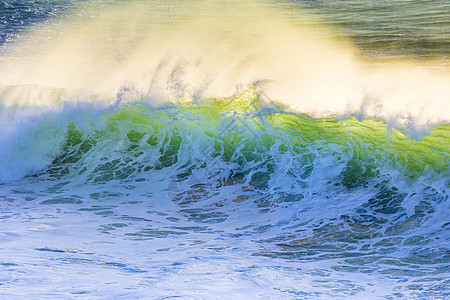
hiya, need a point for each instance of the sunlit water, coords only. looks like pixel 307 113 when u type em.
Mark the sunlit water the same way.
pixel 224 150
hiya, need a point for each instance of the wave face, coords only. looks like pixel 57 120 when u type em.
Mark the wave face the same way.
pixel 202 149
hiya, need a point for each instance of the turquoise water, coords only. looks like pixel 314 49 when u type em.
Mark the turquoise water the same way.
pixel 216 150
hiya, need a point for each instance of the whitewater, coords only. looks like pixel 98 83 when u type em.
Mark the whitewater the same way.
pixel 224 149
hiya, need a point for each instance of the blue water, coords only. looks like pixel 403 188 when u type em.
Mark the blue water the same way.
pixel 212 150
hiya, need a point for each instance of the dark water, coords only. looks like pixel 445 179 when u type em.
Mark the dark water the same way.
pixel 419 29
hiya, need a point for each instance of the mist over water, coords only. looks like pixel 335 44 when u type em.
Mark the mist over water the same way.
pixel 210 149
pixel 209 49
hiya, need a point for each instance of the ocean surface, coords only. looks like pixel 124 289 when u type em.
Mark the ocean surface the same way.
pixel 224 149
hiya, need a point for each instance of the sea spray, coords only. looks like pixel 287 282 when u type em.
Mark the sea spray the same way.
pixel 166 52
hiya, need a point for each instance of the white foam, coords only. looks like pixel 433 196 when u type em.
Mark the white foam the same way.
pixel 29 142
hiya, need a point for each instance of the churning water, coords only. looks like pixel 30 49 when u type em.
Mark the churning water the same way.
pixel 224 149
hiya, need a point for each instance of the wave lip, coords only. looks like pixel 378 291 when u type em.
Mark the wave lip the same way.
pixel 239 131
